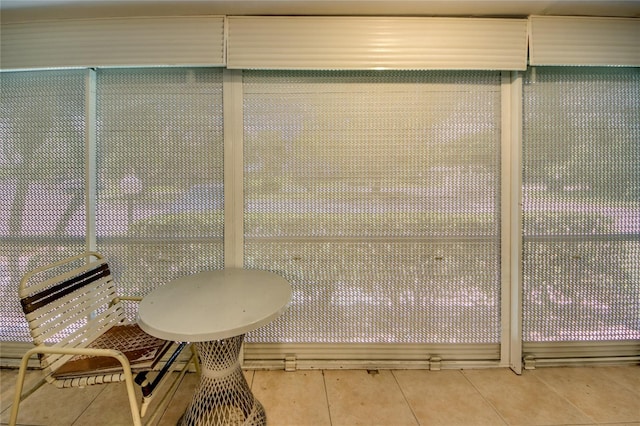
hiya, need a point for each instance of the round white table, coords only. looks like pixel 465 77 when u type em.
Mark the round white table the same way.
pixel 214 310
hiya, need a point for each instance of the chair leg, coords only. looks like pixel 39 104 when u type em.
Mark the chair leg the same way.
pixel 136 412
pixel 18 396
pixel 133 403
pixel 18 393
pixel 126 367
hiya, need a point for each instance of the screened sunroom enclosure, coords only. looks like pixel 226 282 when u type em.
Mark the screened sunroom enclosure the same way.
pixel 429 211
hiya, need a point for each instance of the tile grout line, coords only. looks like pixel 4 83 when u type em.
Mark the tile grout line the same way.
pixel 103 389
pixel 253 376
pixel 28 384
pixel 8 399
pixel 484 398
pixel 633 390
pixel 561 395
pixel 165 410
pixel 326 396
pixel 405 398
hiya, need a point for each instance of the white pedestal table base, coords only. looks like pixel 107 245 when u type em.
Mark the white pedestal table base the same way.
pixel 223 396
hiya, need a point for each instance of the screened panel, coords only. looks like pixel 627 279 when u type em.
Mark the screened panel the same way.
pixel 159 159
pixel 42 158
pixel 581 204
pixel 377 195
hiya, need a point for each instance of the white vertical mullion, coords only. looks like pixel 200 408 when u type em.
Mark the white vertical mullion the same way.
pixel 90 159
pixel 233 169
pixel 511 208
pixel 515 301
pixel 505 219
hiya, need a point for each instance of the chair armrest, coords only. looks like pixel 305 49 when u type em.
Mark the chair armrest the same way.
pixel 112 353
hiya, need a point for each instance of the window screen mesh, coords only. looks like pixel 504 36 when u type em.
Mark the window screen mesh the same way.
pixel 42 204
pixel 160 173
pixel 376 194
pixel 581 193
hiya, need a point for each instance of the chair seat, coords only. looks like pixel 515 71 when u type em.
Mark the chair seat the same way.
pixel 141 349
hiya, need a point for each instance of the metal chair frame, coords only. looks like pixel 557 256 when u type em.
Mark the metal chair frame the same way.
pixel 71 314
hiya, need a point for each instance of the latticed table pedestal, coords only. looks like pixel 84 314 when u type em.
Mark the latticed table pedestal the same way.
pixel 223 396
pixel 214 310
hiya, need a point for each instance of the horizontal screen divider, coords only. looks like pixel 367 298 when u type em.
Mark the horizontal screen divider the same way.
pixel 581 349
pixel 430 239
pixel 581 238
pixel 161 239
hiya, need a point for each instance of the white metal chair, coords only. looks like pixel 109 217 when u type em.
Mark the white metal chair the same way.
pixel 82 337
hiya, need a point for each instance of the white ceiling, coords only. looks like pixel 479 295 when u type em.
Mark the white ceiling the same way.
pixel 20 10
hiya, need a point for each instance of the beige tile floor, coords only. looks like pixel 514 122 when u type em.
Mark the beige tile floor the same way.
pixel 546 396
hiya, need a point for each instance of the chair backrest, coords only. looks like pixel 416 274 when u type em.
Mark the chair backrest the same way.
pixel 69 304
